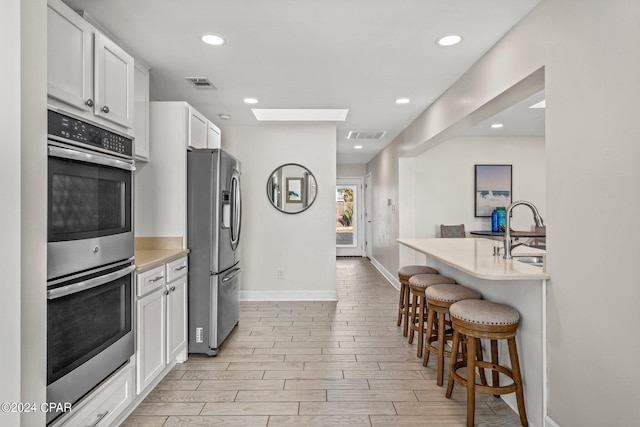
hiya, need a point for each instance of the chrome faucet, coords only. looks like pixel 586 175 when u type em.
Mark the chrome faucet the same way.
pixel 508 245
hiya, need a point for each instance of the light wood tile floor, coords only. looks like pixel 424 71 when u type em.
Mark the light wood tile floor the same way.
pixel 315 364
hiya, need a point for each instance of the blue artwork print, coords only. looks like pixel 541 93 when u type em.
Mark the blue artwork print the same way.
pixel 493 188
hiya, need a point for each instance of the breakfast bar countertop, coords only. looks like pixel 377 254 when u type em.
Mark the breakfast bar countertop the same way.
pixel 475 257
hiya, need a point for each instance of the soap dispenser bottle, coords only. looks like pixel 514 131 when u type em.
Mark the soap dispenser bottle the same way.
pixel 494 221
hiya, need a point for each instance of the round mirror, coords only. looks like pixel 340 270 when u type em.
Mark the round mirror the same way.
pixel 291 188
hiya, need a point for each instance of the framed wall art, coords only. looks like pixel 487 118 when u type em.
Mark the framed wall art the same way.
pixel 492 188
pixel 294 190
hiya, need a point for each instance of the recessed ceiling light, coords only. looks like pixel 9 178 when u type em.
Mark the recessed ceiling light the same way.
pixel 250 101
pixel 403 101
pixel 449 40
pixel 541 104
pixel 212 39
pixel 358 147
pixel 497 125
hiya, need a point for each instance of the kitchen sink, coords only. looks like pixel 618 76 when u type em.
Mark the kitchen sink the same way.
pixel 529 259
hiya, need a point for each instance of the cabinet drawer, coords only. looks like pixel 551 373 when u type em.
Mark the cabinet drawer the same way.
pixel 150 280
pixel 109 402
pixel 176 269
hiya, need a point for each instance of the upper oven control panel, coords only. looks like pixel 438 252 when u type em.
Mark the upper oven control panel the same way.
pixel 78 131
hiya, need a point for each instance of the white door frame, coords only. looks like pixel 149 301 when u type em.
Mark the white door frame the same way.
pixel 358 248
pixel 368 218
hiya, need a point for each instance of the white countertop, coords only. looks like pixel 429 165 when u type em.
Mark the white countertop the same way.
pixel 475 257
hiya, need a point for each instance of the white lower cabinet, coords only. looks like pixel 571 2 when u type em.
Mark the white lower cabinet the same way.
pixel 176 316
pixel 107 404
pixel 151 320
pixel 161 320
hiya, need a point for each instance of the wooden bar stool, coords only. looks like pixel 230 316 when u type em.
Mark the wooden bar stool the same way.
pixel 417 285
pixel 487 320
pixel 404 309
pixel 439 299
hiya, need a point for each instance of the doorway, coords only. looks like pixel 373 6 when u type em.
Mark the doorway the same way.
pixel 349 229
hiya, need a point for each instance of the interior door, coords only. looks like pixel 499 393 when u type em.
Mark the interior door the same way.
pixel 349 217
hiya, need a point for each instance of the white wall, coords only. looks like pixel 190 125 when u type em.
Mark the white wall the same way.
pixel 161 184
pixel 23 167
pixel 351 170
pixel 385 193
pixel 587 49
pixel 302 245
pixel 444 181
pixel 10 213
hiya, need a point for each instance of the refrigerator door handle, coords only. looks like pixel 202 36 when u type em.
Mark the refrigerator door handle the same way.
pixel 232 275
pixel 236 209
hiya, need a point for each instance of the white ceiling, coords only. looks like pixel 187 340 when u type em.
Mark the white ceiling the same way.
pixel 317 54
pixel 519 119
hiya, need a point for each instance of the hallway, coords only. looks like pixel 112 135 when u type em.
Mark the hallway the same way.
pixel 315 364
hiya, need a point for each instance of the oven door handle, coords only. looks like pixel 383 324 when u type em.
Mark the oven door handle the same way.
pixel 88 284
pixel 82 156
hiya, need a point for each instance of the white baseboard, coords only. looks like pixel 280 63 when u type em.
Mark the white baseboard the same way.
pixel 391 278
pixel 288 295
pixel 548 422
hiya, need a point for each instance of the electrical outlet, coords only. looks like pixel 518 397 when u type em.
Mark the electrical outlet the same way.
pixel 280 273
pixel 199 334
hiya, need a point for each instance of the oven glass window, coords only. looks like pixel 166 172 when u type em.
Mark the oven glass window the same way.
pixel 82 324
pixel 87 200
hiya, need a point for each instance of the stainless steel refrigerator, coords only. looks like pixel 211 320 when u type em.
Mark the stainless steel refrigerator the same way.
pixel 213 234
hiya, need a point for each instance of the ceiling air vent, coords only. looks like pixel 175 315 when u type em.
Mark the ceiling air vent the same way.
pixel 365 134
pixel 201 82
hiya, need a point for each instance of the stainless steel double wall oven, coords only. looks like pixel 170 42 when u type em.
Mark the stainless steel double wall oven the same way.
pixel 89 256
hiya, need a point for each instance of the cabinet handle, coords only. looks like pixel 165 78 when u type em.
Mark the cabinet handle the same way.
pixel 156 279
pixel 182 267
pixel 166 292
pixel 100 417
pixel 173 288
pixel 89 102
pixel 105 109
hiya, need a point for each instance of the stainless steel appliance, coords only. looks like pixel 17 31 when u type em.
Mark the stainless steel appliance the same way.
pixel 89 256
pixel 213 235
pixel 89 330
pixel 90 196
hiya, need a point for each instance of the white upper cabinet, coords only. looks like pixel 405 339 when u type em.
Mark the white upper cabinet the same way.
pixel 214 139
pixel 69 57
pixel 113 77
pixel 87 71
pixel 198 125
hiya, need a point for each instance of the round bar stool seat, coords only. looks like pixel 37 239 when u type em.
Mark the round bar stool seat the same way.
pixel 417 285
pixel 486 320
pixel 404 309
pixel 439 299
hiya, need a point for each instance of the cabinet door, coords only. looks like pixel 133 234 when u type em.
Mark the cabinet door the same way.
pixel 213 136
pixel 141 116
pixel 150 339
pixel 197 129
pixel 69 57
pixel 176 318
pixel 114 74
